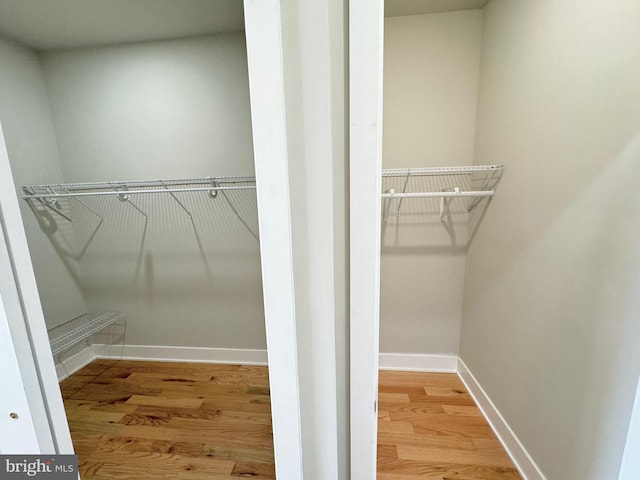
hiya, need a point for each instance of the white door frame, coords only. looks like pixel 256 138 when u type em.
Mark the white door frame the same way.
pixel 17 432
pixel 26 321
pixel 366 32
pixel 263 32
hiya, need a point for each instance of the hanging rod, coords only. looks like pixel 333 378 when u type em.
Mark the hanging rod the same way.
pixel 213 184
pixel 474 181
pixel 473 193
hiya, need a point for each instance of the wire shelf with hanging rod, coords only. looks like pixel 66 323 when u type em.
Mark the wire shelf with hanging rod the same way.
pixel 472 184
pixel 50 196
pixel 135 187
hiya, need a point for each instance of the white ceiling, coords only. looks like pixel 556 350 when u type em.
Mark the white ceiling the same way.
pixel 53 24
pixel 400 8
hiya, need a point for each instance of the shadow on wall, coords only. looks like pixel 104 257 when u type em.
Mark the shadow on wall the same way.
pixel 184 267
pixel 117 227
pixel 60 233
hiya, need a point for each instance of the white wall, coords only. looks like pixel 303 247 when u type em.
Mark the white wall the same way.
pixel 33 153
pixel 152 110
pixel 431 69
pixel 171 109
pixel 551 314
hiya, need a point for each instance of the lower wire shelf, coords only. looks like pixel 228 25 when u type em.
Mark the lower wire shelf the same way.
pixel 76 330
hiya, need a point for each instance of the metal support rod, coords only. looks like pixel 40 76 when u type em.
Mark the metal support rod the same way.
pixel 487 183
pixel 239 217
pixel 387 205
pixel 84 204
pixel 46 204
pixel 213 193
pixel 180 203
pixel 444 205
pixel 404 189
pixel 95 230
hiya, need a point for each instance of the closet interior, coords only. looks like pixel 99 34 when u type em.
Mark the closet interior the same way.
pixel 434 197
pixel 128 129
pixel 528 294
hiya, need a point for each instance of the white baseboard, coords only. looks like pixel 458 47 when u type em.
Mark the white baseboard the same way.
pixel 182 354
pixel 520 457
pixel 71 365
pixel 418 362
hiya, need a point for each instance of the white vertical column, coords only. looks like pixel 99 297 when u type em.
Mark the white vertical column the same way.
pixel 266 81
pixel 297 85
pixel 366 32
pixel 313 44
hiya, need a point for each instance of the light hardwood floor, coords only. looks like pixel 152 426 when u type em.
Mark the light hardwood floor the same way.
pixel 155 420
pixel 430 428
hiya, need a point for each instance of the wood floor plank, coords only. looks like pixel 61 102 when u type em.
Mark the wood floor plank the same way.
pixel 446 391
pixel 395 427
pixel 384 398
pixel 254 470
pixel 151 420
pixel 165 401
pixel 239 453
pixel 462 410
pixel 455 456
pixel 420 416
pixel 422 440
pixel 451 440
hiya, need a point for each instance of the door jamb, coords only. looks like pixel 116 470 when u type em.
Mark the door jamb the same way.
pixel 366 33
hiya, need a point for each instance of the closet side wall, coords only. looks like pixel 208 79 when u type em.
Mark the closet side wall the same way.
pixel 431 68
pixel 551 314
pixel 31 144
pixel 170 109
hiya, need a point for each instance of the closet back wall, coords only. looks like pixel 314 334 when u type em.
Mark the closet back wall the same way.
pixel 431 71
pixel 169 109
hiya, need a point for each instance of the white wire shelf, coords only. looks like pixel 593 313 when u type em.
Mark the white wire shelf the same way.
pixel 430 171
pixel 136 187
pixel 474 182
pixel 76 330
